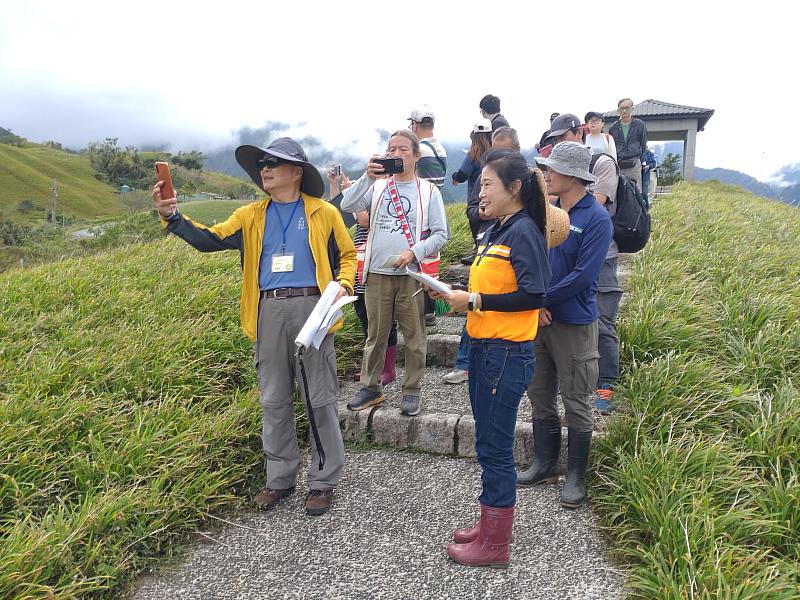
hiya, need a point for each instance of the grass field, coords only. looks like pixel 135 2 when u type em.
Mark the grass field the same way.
pixel 128 408
pixel 698 478
pixel 209 212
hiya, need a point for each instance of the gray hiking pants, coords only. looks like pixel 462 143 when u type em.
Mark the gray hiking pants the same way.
pixel 279 322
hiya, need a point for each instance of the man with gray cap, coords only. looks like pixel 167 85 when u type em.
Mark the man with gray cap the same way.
pixel 432 165
pixel 292 245
pixel 566 346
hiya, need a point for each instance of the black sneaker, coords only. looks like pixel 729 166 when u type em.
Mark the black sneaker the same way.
pixel 430 320
pixel 410 405
pixel 365 398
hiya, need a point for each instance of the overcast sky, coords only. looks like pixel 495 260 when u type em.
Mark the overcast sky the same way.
pixel 190 74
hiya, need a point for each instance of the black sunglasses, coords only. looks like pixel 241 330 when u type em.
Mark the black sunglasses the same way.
pixel 269 162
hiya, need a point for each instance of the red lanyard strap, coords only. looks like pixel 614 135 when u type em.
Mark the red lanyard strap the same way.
pixel 398 209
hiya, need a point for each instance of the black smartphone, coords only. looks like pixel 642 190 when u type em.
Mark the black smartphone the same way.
pixel 390 165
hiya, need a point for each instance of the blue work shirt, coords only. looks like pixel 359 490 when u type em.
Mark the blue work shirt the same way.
pixel 291 217
pixel 572 294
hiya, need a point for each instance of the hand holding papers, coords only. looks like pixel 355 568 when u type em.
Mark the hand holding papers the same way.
pixel 427 280
pixel 325 314
pixel 389 262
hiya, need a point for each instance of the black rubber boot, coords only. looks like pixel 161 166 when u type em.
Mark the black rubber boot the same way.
pixel 546 446
pixel 573 494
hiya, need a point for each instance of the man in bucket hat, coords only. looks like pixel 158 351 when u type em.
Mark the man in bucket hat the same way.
pixel 566 348
pixel 293 244
pixel 568 128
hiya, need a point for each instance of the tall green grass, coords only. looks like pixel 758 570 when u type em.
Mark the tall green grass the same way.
pixel 697 480
pixel 128 412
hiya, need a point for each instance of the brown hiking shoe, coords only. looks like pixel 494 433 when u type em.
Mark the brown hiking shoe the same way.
pixel 270 498
pixel 318 502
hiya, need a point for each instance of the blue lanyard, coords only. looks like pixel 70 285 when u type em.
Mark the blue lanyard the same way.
pixel 285 228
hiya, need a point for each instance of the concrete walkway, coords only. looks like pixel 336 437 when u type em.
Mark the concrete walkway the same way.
pixel 384 539
pixel 394 513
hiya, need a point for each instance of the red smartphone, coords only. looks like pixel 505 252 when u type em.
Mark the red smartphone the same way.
pixel 162 171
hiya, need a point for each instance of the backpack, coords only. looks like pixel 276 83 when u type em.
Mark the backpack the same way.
pixel 632 220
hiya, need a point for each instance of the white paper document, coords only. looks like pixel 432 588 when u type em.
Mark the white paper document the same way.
pixel 389 262
pixel 432 283
pixel 324 315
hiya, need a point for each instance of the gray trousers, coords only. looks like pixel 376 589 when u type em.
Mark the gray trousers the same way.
pixel 389 297
pixel 279 322
pixel 566 360
pixel 609 295
pixel 635 172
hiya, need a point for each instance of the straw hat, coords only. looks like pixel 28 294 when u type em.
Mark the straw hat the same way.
pixel 557 219
pixel 557 226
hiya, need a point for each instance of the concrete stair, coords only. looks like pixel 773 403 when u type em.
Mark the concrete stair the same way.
pixel 445 424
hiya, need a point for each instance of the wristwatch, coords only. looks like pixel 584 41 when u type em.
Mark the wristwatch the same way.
pixel 472 302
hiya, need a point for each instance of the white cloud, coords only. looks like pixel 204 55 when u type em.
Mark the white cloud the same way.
pixel 186 73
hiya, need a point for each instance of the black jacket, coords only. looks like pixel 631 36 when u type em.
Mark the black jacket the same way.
pixel 636 143
pixel 499 121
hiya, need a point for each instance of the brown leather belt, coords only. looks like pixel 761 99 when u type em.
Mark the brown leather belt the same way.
pixel 280 293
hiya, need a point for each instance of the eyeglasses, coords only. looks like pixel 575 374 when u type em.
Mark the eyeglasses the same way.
pixel 269 162
pixel 594 121
pixel 626 108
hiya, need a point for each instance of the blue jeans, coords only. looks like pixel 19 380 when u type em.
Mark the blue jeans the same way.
pixel 609 295
pixel 462 358
pixel 499 374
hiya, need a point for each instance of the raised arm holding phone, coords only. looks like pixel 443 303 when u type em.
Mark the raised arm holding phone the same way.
pixel 407 222
pixel 284 242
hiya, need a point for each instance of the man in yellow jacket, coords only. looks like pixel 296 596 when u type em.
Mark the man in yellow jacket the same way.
pixel 293 244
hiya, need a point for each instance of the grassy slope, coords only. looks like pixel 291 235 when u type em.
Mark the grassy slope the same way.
pixel 213 181
pixel 698 477
pixel 27 174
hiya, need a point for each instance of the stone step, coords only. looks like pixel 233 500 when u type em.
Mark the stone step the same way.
pixel 435 433
pixel 444 426
pixel 443 341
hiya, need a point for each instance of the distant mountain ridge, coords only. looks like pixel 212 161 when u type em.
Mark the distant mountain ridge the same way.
pixel 223 161
pixel 788 191
pixel 790 194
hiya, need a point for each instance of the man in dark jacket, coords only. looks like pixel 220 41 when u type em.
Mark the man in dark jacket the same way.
pixel 630 136
pixel 490 110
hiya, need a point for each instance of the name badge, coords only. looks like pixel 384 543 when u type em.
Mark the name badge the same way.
pixel 282 263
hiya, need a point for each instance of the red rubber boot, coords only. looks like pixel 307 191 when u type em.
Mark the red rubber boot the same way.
pixel 491 547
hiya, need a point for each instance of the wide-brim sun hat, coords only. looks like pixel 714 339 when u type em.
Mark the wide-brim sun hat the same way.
pixel 557 228
pixel 570 158
pixel 286 149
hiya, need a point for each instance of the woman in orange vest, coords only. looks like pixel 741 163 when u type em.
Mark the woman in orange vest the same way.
pixel 507 285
